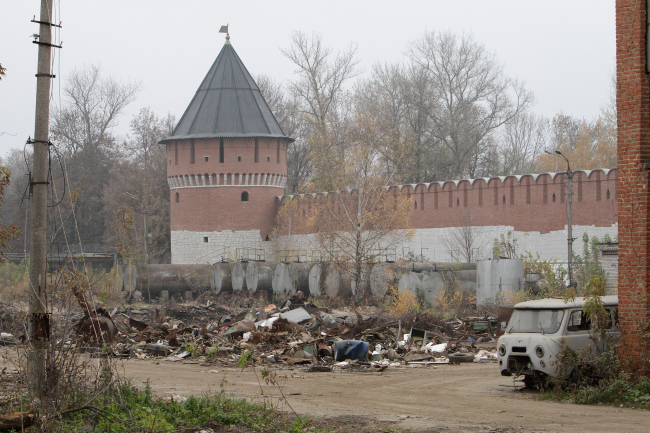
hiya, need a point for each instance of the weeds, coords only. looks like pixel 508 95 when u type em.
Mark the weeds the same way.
pixel 129 409
pixel 404 303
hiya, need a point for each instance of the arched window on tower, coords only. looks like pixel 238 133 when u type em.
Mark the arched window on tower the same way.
pixel 178 197
pixel 244 196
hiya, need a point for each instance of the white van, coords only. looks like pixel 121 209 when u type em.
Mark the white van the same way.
pixel 536 330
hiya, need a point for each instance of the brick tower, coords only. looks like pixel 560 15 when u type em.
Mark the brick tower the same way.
pixel 227 163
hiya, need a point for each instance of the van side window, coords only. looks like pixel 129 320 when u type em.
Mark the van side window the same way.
pixel 578 321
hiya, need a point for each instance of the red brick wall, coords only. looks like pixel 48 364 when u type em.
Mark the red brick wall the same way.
pixel 633 97
pixel 527 204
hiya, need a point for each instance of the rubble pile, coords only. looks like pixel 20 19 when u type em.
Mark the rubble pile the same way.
pixel 301 334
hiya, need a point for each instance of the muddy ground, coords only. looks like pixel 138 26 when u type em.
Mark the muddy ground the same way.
pixel 451 398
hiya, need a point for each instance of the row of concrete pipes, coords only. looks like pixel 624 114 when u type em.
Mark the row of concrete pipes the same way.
pixel 285 279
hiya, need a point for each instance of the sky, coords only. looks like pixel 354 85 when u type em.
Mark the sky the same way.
pixel 563 50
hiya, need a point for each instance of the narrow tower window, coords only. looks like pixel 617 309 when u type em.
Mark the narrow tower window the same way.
pixel 205 239
pixel 277 157
pixel 191 151
pixel 177 197
pixel 257 150
pixel 244 196
pixel 221 150
pixel 175 153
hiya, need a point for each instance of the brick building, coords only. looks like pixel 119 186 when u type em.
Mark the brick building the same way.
pixel 633 105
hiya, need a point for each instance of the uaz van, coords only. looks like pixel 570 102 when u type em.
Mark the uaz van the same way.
pixel 536 330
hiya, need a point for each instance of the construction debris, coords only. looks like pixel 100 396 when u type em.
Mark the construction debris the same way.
pixel 299 334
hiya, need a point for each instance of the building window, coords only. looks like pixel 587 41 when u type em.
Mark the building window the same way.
pixel 504 199
pixel 238 158
pixel 257 150
pixel 206 158
pixel 415 204
pixel 277 157
pixel 221 156
pixel 268 158
pixel 244 196
pixel 170 161
pixel 205 239
pixel 175 153
pixel 177 197
pixel 607 194
pixel 553 197
pixel 191 151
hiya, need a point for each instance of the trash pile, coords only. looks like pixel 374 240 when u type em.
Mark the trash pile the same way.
pixel 301 334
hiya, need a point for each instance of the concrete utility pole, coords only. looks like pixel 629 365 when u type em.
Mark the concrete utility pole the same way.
pixel 569 202
pixel 38 326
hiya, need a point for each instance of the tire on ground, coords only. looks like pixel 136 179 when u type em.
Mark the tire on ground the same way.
pixel 460 357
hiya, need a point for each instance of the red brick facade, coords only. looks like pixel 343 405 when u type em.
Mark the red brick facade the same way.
pixel 206 193
pixel 633 102
pixel 527 203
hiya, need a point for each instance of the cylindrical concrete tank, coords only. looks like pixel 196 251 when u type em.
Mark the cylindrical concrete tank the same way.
pixel 334 282
pixel 239 277
pixel 128 277
pixel 281 282
pixel 365 280
pixel 466 280
pixel 221 278
pixel 315 279
pixel 498 280
pixel 384 275
pixel 427 284
pixel 448 266
pixel 259 277
pixel 176 279
pixel 299 274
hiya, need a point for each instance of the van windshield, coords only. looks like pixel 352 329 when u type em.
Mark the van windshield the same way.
pixel 542 321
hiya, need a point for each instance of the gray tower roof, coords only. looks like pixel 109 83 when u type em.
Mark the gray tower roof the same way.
pixel 228 103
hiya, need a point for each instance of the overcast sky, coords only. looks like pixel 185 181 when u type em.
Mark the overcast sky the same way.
pixel 563 50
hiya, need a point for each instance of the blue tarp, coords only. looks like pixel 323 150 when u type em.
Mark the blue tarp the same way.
pixel 350 349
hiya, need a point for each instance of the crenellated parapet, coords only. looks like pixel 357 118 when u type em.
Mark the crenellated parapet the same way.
pixel 531 202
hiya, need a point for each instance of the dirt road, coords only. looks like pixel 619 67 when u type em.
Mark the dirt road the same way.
pixel 451 398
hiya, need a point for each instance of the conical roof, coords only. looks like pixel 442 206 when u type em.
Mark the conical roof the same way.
pixel 228 103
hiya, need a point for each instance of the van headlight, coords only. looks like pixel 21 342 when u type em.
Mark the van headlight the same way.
pixel 502 350
pixel 539 351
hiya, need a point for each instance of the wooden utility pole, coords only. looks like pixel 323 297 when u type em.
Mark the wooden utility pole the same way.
pixel 38 326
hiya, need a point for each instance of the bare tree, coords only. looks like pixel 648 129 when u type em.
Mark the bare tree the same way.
pixel 321 104
pixel 147 129
pixel 93 103
pixel 473 97
pixel 81 131
pixel 522 140
pixel 141 173
pixel 466 241
pixel 284 106
pixel 321 77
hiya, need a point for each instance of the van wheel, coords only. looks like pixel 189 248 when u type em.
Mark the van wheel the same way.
pixel 538 382
pixel 530 382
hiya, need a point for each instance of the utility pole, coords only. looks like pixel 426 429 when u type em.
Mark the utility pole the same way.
pixel 569 203
pixel 38 326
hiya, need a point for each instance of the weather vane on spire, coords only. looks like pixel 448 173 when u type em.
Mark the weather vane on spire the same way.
pixel 224 29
